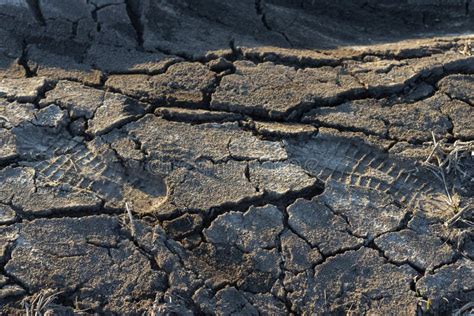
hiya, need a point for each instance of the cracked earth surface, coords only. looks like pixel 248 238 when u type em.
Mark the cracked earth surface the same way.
pixel 263 177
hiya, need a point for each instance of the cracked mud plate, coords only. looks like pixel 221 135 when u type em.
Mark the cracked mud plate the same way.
pixel 253 158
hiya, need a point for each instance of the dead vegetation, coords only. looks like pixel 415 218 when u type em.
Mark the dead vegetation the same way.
pixel 128 208
pixel 446 161
pixel 41 303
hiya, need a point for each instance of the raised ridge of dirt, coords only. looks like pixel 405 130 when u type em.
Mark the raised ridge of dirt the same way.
pixel 250 157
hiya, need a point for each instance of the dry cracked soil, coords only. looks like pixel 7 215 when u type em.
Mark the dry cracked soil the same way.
pixel 235 158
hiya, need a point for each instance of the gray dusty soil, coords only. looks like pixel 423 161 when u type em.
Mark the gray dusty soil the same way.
pixel 234 158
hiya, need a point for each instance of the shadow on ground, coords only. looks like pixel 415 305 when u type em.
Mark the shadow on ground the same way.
pixel 123 36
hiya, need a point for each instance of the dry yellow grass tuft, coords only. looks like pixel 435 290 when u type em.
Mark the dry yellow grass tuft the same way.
pixel 445 159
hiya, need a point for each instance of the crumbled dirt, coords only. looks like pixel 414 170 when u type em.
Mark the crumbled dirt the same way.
pixel 246 158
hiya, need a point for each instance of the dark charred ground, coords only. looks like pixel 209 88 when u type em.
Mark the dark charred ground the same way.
pixel 251 157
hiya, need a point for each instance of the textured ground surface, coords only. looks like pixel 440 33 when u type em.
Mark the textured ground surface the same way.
pixel 264 175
